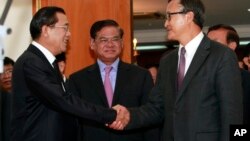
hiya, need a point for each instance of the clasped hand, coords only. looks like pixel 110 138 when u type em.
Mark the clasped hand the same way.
pixel 122 118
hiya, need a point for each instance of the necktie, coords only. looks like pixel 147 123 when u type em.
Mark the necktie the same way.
pixel 58 73
pixel 181 69
pixel 108 86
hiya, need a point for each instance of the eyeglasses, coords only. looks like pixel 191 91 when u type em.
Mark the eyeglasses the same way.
pixel 6 72
pixel 65 27
pixel 169 14
pixel 105 40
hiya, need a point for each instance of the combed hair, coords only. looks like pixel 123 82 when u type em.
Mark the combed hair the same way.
pixel 99 25
pixel 44 16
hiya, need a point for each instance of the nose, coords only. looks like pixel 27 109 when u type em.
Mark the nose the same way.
pixel 68 33
pixel 166 23
pixel 110 43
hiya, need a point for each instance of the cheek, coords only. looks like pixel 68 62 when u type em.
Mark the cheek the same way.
pixel 179 23
pixel 99 50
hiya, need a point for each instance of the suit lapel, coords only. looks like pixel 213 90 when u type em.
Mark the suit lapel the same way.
pixel 121 78
pixel 36 51
pixel 173 72
pixel 197 61
pixel 96 80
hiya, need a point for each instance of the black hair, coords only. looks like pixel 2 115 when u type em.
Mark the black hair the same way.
pixel 232 35
pixel 44 16
pixel 197 7
pixel 99 25
pixel 8 61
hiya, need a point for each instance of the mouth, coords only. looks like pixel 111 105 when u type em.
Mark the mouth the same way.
pixel 66 41
pixel 168 29
pixel 109 51
pixel 7 82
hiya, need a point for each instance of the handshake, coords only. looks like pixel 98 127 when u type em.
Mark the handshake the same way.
pixel 122 118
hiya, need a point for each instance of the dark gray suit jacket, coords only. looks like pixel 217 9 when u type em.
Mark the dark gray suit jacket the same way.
pixel 209 100
pixel 42 111
pixel 246 95
pixel 5 115
pixel 133 85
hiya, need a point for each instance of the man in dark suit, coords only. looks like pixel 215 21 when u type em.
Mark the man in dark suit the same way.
pixel 43 107
pixel 130 84
pixel 202 106
pixel 228 36
pixel 5 98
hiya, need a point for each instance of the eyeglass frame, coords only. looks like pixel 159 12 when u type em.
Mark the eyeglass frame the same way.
pixel 169 14
pixel 105 40
pixel 6 72
pixel 65 27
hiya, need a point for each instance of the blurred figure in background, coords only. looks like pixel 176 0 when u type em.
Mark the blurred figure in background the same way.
pixel 246 58
pixel 228 36
pixel 61 61
pixel 7 74
pixel 153 69
pixel 5 100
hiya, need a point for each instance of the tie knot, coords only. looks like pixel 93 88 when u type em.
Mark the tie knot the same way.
pixel 108 69
pixel 183 51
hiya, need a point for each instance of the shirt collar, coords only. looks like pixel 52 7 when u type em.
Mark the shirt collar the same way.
pixel 114 65
pixel 51 58
pixel 192 45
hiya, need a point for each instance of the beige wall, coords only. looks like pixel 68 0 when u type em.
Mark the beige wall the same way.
pixel 18 20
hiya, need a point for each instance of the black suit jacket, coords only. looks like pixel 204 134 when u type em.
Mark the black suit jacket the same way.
pixel 133 85
pixel 41 109
pixel 246 95
pixel 209 100
pixel 5 115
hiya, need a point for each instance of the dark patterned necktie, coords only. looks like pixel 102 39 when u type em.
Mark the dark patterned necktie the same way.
pixel 58 73
pixel 181 69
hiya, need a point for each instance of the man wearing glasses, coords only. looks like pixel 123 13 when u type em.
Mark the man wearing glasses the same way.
pixel 111 81
pixel 198 89
pixel 43 108
pixel 5 98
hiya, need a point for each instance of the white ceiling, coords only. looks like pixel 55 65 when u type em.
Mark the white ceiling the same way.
pixel 232 12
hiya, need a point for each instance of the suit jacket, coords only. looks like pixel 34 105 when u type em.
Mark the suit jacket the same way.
pixel 133 85
pixel 209 100
pixel 42 110
pixel 5 115
pixel 246 95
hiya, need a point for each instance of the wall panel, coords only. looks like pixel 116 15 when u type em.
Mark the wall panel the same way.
pixel 82 14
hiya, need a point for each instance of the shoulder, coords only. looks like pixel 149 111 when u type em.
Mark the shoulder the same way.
pixel 132 67
pixel 84 71
pixel 169 57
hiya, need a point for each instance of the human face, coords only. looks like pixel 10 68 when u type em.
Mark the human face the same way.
pixel 59 34
pixel 153 72
pixel 6 77
pixel 175 24
pixel 220 35
pixel 61 65
pixel 108 44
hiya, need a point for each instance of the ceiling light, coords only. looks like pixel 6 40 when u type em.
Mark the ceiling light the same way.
pixel 248 9
pixel 150 47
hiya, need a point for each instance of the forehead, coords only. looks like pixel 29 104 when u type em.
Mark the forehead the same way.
pixel 174 5
pixel 219 33
pixel 62 18
pixel 108 31
pixel 8 67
